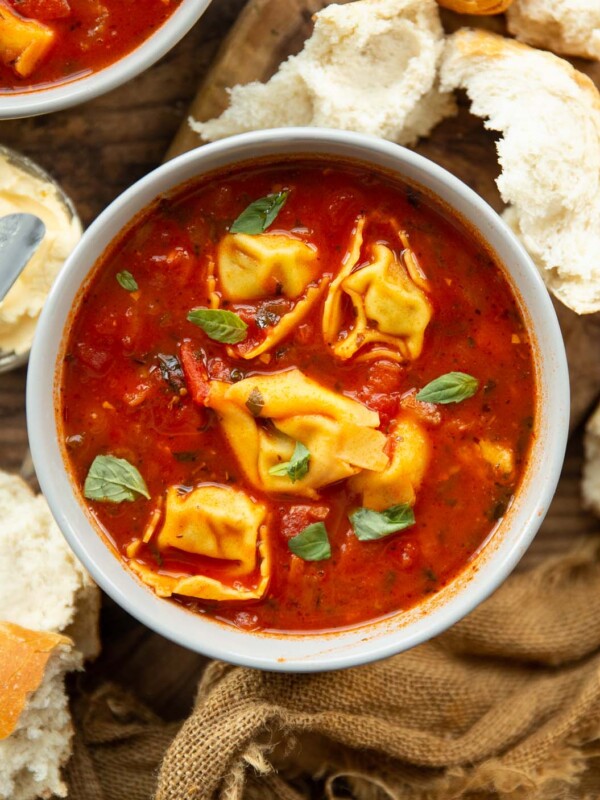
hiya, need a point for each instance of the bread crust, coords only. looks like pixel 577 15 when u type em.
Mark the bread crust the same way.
pixel 24 655
pixel 479 7
pixel 569 27
pixel 549 116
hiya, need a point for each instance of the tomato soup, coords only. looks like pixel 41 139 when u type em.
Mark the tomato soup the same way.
pixel 297 396
pixel 45 42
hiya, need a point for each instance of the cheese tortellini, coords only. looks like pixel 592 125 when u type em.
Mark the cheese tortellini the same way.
pixel 263 417
pixel 399 481
pixel 390 307
pixel 254 266
pixel 216 522
pixel 250 267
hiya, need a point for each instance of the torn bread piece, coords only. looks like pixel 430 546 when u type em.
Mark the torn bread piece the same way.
pixel 35 724
pixel 570 27
pixel 549 117
pixel 590 482
pixel 370 66
pixel 42 585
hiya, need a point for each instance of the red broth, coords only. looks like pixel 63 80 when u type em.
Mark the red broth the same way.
pixel 115 399
pixel 88 36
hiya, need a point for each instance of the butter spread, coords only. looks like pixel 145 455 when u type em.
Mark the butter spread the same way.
pixel 22 191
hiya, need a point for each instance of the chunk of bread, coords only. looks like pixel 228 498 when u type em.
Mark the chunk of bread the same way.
pixel 42 585
pixel 35 724
pixel 549 115
pixel 590 483
pixel 571 27
pixel 369 66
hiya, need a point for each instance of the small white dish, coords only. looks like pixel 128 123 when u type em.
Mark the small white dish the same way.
pixel 9 359
pixel 368 642
pixel 79 90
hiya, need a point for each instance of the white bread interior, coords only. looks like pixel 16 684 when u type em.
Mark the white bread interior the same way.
pixel 35 723
pixel 549 151
pixel 42 585
pixel 369 66
pixel 570 27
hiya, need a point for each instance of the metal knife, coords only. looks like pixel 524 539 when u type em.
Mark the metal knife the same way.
pixel 20 237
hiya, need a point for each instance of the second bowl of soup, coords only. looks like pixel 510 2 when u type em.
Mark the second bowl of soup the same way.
pixel 56 53
pixel 310 401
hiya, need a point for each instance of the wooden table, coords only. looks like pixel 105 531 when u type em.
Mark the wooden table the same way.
pixel 99 149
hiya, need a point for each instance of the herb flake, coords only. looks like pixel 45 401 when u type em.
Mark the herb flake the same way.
pixel 255 402
pixel 126 280
pixel 171 371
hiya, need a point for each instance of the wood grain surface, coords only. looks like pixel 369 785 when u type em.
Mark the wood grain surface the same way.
pixel 100 148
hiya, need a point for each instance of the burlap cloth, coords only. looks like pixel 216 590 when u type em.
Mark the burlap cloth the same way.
pixel 504 705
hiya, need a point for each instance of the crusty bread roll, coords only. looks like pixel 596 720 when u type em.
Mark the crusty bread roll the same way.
pixel 549 115
pixel 590 484
pixel 34 554
pixel 483 7
pixel 43 588
pixel 370 66
pixel 35 725
pixel 571 27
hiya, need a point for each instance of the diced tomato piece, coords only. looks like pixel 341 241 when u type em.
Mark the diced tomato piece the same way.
pixel 296 518
pixel 426 412
pixel 194 370
pixel 93 358
pixel 384 377
pixel 42 9
pixel 218 369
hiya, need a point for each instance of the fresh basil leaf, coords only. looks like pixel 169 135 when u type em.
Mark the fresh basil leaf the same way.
pixel 114 480
pixel 311 544
pixel 297 467
pixel 127 281
pixel 369 525
pixel 255 402
pixel 171 371
pixel 222 326
pixel 454 387
pixel 259 214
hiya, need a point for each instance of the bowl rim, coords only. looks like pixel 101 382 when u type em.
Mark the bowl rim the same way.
pixel 80 90
pixel 365 643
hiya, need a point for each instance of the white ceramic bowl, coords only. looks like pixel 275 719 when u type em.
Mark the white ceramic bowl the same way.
pixel 80 90
pixel 310 652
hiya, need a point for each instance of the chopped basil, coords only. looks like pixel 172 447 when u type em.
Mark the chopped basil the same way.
pixel 222 326
pixel 454 387
pixel 259 214
pixel 265 318
pixel 127 281
pixel 114 480
pixel 311 544
pixel 297 467
pixel 171 371
pixel 185 455
pixel 369 525
pixel 255 402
